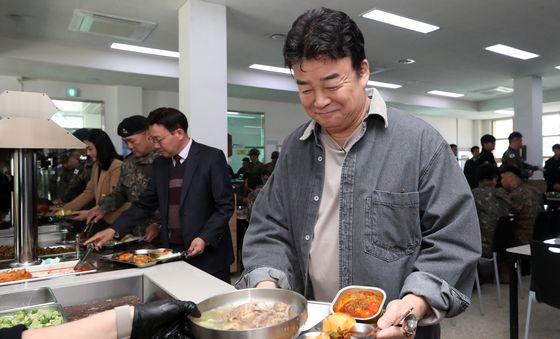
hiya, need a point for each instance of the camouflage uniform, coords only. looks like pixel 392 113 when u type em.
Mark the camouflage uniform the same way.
pixel 526 204
pixel 491 205
pixel 77 183
pixel 513 158
pixel 135 175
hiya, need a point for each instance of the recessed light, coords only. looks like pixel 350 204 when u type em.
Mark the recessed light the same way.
pixel 503 89
pixel 511 52
pixel 278 36
pixel 446 94
pixel 383 84
pixel 405 61
pixel 274 69
pixel 400 21
pixel 503 111
pixel 145 50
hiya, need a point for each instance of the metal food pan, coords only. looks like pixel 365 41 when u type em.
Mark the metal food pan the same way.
pixel 26 298
pixel 55 306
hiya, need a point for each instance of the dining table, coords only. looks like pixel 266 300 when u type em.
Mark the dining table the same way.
pixel 515 255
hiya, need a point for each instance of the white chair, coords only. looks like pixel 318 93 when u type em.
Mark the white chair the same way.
pixel 494 261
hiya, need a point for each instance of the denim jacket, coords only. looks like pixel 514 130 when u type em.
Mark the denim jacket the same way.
pixel 408 222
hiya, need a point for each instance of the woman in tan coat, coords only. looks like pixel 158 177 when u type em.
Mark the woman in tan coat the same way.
pixel 104 175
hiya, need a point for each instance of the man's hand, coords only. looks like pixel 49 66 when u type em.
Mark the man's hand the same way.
pixel 151 232
pixel 95 214
pixel 101 237
pixel 396 311
pixel 266 284
pixel 196 248
pixel 79 215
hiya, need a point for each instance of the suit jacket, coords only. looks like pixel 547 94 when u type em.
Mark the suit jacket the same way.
pixel 205 208
pixel 98 186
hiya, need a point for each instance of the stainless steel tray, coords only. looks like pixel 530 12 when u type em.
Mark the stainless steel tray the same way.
pixel 111 257
pixel 26 298
pixel 42 272
pixel 55 306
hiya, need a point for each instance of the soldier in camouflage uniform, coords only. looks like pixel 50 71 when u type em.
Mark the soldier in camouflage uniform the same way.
pixel 135 175
pixel 512 157
pixel 491 205
pixel 526 203
pixel 80 175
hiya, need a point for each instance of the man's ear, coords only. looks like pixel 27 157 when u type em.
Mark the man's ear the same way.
pixel 364 72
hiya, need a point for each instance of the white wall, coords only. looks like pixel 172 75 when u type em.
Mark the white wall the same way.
pixel 280 118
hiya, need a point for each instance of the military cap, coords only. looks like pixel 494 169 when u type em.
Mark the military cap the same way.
pixel 132 125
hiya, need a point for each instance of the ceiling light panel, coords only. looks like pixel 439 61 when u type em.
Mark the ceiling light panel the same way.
pixel 511 52
pixel 557 67
pixel 383 84
pixel 446 94
pixel 504 111
pixel 399 21
pixel 145 50
pixel 274 69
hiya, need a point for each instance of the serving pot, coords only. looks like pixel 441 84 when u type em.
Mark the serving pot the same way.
pixel 286 330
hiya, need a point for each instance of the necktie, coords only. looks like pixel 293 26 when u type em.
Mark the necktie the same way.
pixel 177 159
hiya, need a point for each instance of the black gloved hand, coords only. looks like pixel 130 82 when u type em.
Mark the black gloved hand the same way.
pixel 158 316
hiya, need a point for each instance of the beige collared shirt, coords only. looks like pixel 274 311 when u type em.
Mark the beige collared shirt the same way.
pixel 324 252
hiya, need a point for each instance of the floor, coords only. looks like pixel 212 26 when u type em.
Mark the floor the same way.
pixel 494 324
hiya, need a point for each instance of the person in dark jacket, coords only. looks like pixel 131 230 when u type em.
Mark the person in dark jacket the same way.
pixel 470 167
pixel 552 171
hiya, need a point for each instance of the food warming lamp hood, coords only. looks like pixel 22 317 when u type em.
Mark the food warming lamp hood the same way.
pixel 25 125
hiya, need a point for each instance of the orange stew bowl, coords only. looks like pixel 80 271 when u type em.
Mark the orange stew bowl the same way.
pixel 360 302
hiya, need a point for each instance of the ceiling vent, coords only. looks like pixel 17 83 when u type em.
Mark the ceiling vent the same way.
pixel 498 90
pixel 110 25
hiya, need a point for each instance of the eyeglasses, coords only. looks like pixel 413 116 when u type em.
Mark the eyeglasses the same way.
pixel 158 140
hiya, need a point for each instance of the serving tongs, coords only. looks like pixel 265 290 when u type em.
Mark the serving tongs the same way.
pixel 82 260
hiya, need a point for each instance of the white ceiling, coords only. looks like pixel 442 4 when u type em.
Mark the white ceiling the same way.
pixel 35 43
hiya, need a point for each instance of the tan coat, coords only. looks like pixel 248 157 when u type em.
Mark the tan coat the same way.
pixel 99 185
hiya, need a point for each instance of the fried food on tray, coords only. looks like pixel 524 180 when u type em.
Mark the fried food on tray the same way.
pixel 141 259
pixel 338 323
pixel 13 275
pixel 125 256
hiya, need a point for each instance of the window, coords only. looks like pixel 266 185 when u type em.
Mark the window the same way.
pixel 501 129
pixel 72 115
pixel 247 131
pixel 550 133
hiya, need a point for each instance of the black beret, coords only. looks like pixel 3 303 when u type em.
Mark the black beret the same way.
pixel 132 125
pixel 511 169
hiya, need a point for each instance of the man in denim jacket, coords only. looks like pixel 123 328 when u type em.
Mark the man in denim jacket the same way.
pixel 362 194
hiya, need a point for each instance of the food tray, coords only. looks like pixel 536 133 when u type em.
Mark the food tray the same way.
pixel 68 251
pixel 55 306
pixel 26 298
pixel 126 240
pixel 42 272
pixel 148 252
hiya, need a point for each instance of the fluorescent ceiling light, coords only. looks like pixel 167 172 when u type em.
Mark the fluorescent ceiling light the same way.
pixel 557 67
pixel 503 111
pixel 383 84
pixel 446 94
pixel 503 89
pixel 511 52
pixel 267 68
pixel 145 50
pixel 400 21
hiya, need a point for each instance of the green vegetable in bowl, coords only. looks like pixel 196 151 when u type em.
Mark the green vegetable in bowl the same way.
pixel 34 318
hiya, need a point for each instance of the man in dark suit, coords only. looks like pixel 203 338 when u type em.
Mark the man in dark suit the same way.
pixel 191 186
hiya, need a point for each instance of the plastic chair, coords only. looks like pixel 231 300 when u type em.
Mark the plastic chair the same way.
pixel 494 261
pixel 544 283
